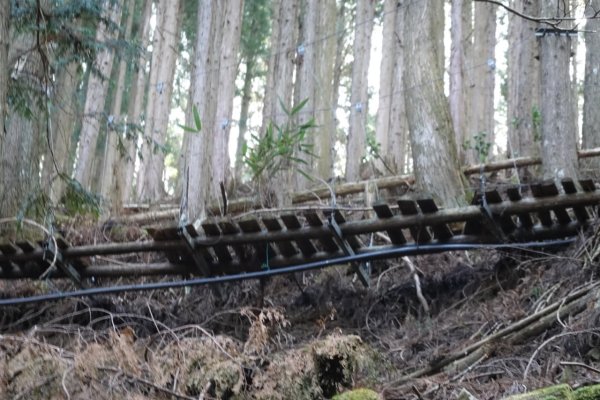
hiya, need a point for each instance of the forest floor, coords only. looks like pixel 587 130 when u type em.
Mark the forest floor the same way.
pixel 491 323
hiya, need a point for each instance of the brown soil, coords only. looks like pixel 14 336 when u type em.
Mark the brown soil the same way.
pixel 314 335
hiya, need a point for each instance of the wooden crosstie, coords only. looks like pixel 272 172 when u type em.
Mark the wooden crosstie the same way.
pixel 231 246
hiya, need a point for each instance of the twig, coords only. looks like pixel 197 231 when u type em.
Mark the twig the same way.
pixel 579 364
pixel 526 372
pixel 147 382
pixel 420 296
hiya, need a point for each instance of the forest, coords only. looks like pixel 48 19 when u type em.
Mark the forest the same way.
pixel 130 124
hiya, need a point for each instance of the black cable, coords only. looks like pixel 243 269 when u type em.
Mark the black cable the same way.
pixel 376 255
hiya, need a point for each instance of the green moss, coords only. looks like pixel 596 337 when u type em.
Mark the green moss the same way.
pixel 558 392
pixel 358 394
pixel 587 393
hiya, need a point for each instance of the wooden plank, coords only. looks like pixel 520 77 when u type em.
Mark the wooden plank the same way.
pixel 440 231
pixel 264 251
pixel 474 226
pixel 383 211
pixel 538 190
pixel 587 185
pixel 514 194
pixel 580 212
pixel 204 251
pixel 228 227
pixel 221 251
pixel 419 233
pixel 506 222
pixel 305 245
pixel 286 247
pixel 549 189
pixel 353 240
pixel 327 242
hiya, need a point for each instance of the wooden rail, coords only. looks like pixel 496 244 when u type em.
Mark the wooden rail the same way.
pixel 228 246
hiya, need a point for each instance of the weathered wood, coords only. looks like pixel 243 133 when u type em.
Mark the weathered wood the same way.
pixel 440 231
pixel 293 227
pixel 264 251
pixel 286 247
pixel 580 212
pixel 326 242
pixel 514 194
pixel 383 211
pixel 419 232
pixel 506 222
pixel 214 233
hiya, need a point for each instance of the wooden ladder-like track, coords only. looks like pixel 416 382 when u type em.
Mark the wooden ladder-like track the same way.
pixel 229 246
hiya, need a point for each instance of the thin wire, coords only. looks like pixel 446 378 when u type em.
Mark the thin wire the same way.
pixel 376 255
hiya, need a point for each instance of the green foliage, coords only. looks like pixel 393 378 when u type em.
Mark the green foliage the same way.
pixel 197 122
pixel 480 144
pixel 357 394
pixel 536 123
pixel 77 200
pixel 281 147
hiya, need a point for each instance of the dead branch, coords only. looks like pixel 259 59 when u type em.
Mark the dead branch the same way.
pixel 552 21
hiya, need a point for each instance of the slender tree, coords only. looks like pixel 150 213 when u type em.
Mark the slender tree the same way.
pixel 483 72
pixel 391 130
pixel 460 93
pixel 558 126
pixel 591 91
pixel 359 98
pixel 110 186
pixel 435 162
pixel 523 85
pixel 4 67
pixel 150 184
pixel 96 96
pixel 280 84
pixel 126 161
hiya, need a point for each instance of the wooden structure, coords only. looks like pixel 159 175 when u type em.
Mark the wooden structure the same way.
pixel 229 246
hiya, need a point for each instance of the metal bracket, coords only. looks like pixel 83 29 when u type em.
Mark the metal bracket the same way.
pixel 51 252
pixel 362 269
pixel 199 261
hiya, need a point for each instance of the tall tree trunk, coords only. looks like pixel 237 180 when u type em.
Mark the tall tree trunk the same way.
pixel 559 137
pixel 110 186
pixel 436 166
pixel 279 88
pixel 338 72
pixel 324 92
pixel 164 58
pixel 483 71
pixel 359 97
pixel 126 167
pixel 391 129
pixel 198 166
pixel 244 116
pixel 4 67
pixel 4 74
pixel 23 142
pixel 63 115
pixel 227 72
pixel 591 93
pixel 523 85
pixel 93 112
pixel 460 93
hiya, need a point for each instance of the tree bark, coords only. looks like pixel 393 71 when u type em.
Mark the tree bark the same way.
pixel 199 164
pixel 227 72
pixel 111 188
pixel 279 88
pixel 559 136
pixel 4 67
pixel 63 114
pixel 391 129
pixel 591 93
pixel 359 97
pixel 483 71
pixel 460 92
pixel 524 136
pixel 164 58
pixel 435 162
pixel 126 162
pixel 93 112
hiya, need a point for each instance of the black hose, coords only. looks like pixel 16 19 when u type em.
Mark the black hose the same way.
pixel 381 254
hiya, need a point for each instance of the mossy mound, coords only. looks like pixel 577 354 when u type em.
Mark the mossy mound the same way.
pixel 358 394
